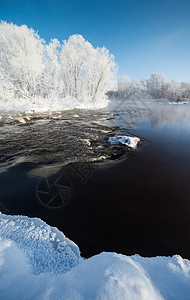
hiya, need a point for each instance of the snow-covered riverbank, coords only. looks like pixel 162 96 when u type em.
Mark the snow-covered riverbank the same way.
pixel 39 262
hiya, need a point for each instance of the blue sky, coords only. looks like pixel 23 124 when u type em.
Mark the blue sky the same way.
pixel 145 36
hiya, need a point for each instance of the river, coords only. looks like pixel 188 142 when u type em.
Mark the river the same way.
pixel 60 167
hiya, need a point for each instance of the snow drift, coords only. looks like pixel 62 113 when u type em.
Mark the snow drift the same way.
pixel 46 248
pixel 39 262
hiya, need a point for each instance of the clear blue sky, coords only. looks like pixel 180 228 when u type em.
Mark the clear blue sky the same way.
pixel 145 36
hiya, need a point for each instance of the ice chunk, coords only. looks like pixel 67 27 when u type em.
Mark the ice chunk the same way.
pixel 125 140
pixel 21 120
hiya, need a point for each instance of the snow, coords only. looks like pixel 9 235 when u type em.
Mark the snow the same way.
pixel 39 262
pixel 178 103
pixel 125 140
pixel 35 76
pixel 35 238
pixel 48 105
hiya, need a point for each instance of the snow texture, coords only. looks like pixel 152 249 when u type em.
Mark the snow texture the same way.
pixel 38 262
pixel 47 249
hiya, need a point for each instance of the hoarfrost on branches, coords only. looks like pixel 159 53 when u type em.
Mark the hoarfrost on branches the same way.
pixel 157 87
pixel 21 61
pixel 71 71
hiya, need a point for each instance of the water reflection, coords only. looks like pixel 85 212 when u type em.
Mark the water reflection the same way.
pixel 162 114
pixel 137 205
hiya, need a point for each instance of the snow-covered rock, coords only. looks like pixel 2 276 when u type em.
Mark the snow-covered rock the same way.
pixel 25 245
pixel 125 140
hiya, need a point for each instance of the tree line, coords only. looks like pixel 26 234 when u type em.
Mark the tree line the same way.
pixel 156 87
pixel 72 69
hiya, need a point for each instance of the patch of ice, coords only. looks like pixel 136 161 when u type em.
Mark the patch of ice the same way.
pixel 178 103
pixel 125 140
pixel 99 158
pixel 21 120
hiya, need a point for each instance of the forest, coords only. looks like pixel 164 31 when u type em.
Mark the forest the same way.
pixel 67 70
pixel 71 71
pixel 156 87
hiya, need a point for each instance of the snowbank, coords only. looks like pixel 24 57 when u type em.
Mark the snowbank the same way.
pixel 110 276
pixel 46 248
pixel 48 105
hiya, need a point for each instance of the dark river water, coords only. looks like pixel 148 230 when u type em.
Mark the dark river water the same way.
pixel 61 168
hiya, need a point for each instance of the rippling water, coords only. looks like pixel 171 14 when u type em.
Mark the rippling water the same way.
pixel 60 167
pixel 63 138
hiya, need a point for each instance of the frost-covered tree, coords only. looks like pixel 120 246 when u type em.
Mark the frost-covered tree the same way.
pixel 6 86
pixel 76 55
pixel 52 78
pixel 173 90
pixel 87 73
pixel 70 71
pixel 21 58
pixel 76 71
pixel 129 89
pixel 157 85
pixel 124 86
pixel 185 90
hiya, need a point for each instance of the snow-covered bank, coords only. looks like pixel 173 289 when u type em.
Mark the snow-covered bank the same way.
pixel 37 105
pixel 46 248
pixel 38 262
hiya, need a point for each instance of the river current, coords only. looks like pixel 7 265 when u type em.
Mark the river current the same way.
pixel 59 166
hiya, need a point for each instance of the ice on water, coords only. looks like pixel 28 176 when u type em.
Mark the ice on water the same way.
pixel 125 140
